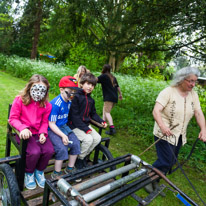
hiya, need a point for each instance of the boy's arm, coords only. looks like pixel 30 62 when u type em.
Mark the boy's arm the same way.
pixel 57 131
pixel 75 117
pixel 94 115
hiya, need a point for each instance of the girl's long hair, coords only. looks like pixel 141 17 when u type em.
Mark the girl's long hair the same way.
pixel 79 70
pixel 107 70
pixel 25 93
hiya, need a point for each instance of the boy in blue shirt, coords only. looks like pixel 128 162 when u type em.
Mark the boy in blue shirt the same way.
pixel 59 132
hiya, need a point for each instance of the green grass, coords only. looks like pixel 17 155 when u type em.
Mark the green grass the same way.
pixel 127 140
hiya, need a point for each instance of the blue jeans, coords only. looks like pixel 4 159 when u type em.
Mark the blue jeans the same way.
pixel 65 129
pixel 60 149
pixel 166 158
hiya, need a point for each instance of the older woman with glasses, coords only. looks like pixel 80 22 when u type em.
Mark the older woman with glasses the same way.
pixel 174 108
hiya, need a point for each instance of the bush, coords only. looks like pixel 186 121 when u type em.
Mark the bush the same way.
pixel 25 68
pixel 91 59
pixel 144 65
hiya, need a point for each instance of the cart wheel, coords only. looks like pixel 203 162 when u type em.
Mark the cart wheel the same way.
pixel 9 190
pixel 101 154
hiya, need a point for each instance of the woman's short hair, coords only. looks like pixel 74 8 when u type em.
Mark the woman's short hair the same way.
pixel 183 73
pixel 90 78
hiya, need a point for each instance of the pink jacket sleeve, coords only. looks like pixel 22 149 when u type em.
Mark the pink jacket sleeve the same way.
pixel 45 122
pixel 14 118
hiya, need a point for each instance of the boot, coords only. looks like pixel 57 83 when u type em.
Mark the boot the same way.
pixel 79 164
pixel 111 131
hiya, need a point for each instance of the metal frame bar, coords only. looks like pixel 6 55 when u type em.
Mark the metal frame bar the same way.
pixel 171 184
pixel 123 192
pixel 21 160
pixel 50 185
pixel 9 159
pixel 116 194
pixel 104 177
pixel 96 152
pixel 113 185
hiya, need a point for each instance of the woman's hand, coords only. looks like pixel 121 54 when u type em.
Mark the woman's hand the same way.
pixel 42 138
pixel 200 118
pixel 202 135
pixel 166 131
pixel 65 140
pixel 158 118
pixel 25 134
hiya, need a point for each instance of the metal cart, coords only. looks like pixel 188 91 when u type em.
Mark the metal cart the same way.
pixel 105 181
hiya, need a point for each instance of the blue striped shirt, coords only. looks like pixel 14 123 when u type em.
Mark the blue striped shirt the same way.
pixel 60 111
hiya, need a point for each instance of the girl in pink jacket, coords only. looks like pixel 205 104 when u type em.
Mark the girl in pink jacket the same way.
pixel 29 115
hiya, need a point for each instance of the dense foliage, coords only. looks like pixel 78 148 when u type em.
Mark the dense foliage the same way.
pixel 133 115
pixel 75 31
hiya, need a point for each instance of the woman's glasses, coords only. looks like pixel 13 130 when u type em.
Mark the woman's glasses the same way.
pixel 191 81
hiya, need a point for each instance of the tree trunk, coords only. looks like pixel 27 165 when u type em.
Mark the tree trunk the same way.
pixel 37 24
pixel 119 61
pixel 112 60
pixel 116 62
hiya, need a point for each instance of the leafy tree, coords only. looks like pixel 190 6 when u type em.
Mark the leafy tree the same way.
pixel 181 62
pixel 6 26
pixel 28 29
pixel 126 26
pixel 117 27
pixel 189 30
pixel 6 31
pixel 37 23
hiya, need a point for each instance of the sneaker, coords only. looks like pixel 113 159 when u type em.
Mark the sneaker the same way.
pixel 79 164
pixel 111 131
pixel 39 177
pixel 56 175
pixel 68 171
pixel 29 181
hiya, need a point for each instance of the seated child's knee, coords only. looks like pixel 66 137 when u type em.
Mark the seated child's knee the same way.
pixel 34 153
pixel 97 139
pixel 50 151
pixel 88 140
pixel 61 151
pixel 74 139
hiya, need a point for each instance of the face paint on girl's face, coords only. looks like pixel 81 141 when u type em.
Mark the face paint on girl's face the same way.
pixel 38 92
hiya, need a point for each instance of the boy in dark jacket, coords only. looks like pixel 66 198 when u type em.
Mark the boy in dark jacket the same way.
pixel 81 111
